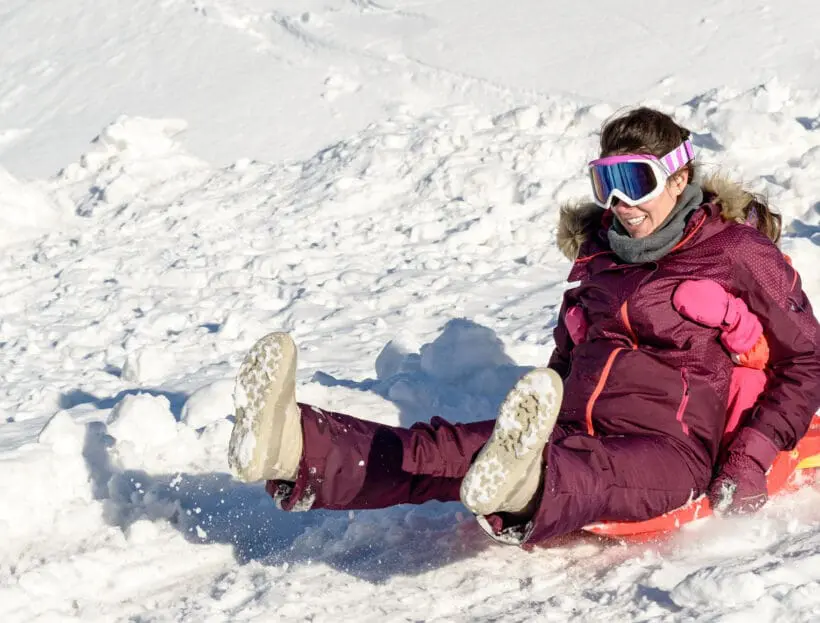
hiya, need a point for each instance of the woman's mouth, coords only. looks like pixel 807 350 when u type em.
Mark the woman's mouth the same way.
pixel 635 221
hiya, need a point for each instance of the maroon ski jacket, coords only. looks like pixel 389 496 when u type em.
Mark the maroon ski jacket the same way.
pixel 645 369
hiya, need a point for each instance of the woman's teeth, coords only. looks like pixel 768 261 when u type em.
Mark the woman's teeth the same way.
pixel 635 221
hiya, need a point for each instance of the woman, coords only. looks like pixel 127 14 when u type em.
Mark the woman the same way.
pixel 627 420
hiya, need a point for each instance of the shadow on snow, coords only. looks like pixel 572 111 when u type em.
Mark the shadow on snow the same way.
pixel 463 376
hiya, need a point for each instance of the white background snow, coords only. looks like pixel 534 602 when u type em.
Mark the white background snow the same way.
pixel 179 177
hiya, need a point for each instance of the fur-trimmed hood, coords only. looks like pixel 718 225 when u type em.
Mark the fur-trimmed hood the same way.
pixel 579 220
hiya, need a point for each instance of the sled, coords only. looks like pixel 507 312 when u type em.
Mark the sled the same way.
pixel 790 471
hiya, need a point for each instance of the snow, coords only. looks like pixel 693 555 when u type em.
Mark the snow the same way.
pixel 178 179
pixel 210 403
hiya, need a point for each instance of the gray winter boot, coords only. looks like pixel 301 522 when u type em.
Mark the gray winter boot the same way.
pixel 266 441
pixel 508 470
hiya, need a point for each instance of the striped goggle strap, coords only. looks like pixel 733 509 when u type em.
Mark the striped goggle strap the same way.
pixel 678 157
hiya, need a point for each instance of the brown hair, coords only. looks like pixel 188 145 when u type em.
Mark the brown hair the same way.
pixel 760 216
pixel 644 131
pixel 648 131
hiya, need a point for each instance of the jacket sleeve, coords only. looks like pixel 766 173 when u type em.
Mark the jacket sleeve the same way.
pixel 560 359
pixel 773 291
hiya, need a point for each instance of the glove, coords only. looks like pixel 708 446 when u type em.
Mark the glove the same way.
pixel 740 486
pixel 707 303
pixel 576 323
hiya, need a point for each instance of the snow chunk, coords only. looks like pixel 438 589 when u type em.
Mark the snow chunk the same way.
pixel 128 157
pixel 143 420
pixel 63 435
pixel 147 365
pixel 398 356
pixel 25 210
pixel 209 404
pixel 142 532
pixel 142 138
pixel 771 97
pixel 748 130
pixel 524 118
pixel 712 587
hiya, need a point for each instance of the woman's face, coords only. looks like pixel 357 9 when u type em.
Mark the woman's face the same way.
pixel 641 220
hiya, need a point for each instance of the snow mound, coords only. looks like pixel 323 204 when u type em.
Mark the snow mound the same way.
pixel 138 413
pixel 147 364
pixel 137 138
pixel 128 158
pixel 146 435
pixel 714 588
pixel 26 210
pixel 209 404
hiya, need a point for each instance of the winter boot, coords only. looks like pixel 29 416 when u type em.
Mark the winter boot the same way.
pixel 507 472
pixel 266 442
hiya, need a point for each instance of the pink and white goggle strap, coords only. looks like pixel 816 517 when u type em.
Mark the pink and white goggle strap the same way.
pixel 678 157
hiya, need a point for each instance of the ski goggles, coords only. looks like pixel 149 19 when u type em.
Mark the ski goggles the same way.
pixel 635 178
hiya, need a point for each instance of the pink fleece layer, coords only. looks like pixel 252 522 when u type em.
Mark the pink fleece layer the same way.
pixel 576 322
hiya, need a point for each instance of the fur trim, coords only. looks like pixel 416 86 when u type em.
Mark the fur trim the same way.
pixel 578 221
pixel 731 196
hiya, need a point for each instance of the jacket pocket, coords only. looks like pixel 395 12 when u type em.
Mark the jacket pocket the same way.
pixel 684 401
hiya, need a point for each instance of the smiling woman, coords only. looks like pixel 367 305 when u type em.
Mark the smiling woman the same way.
pixel 643 175
pixel 647 161
pixel 628 422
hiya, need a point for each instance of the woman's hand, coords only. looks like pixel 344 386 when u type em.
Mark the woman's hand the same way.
pixel 707 303
pixel 740 486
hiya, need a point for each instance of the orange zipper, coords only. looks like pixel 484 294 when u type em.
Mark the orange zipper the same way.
pixel 625 318
pixel 684 401
pixel 599 388
pixel 608 368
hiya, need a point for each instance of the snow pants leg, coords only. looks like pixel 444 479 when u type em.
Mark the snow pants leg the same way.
pixel 617 478
pixel 352 464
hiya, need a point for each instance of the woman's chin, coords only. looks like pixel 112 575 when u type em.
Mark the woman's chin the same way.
pixel 641 230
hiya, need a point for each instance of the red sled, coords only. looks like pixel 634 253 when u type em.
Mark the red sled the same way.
pixel 790 471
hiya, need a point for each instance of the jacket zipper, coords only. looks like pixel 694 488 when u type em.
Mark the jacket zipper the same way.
pixel 684 375
pixel 599 388
pixel 625 318
pixel 608 368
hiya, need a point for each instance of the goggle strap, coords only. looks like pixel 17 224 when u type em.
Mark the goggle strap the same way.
pixel 678 157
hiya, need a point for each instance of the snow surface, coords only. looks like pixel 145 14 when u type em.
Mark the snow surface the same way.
pixel 382 181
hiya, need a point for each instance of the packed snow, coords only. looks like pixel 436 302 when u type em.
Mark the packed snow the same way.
pixel 179 178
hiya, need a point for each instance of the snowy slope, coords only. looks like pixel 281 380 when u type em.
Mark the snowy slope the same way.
pixel 401 226
pixel 273 79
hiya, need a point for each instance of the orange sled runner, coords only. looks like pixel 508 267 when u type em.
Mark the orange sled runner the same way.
pixel 790 471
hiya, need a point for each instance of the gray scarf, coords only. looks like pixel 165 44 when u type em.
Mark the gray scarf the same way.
pixel 657 244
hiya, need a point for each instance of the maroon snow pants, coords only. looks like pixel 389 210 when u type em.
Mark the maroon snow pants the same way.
pixel 351 464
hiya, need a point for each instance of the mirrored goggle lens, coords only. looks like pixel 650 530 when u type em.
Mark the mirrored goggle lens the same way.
pixel 633 179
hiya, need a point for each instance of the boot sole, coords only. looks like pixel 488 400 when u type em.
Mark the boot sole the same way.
pixel 264 388
pixel 525 422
